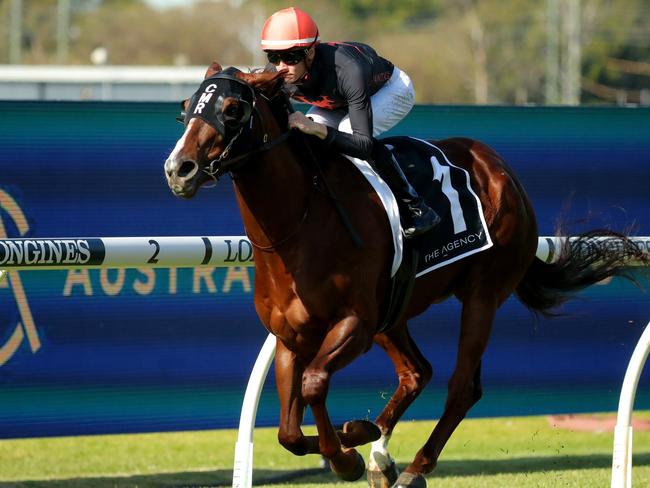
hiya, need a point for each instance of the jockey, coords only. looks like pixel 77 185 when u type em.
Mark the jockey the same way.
pixel 355 95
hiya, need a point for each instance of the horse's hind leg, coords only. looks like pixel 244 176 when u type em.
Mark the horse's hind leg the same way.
pixel 464 388
pixel 414 372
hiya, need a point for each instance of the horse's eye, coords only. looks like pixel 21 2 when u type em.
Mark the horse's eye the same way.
pixel 232 111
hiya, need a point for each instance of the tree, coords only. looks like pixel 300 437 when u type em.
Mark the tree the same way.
pixel 456 51
pixel 193 36
pixel 616 42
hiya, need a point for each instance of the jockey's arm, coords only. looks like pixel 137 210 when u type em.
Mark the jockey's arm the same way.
pixel 357 144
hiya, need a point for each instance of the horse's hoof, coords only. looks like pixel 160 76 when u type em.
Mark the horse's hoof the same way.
pixel 376 479
pixel 410 480
pixel 383 471
pixel 383 478
pixel 359 432
pixel 355 473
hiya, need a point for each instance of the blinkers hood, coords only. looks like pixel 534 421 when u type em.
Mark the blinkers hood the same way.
pixel 207 102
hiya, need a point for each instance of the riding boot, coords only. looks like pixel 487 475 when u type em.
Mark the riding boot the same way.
pixel 416 216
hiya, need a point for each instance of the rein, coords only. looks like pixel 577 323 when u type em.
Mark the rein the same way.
pixel 229 164
pixel 222 164
pixel 294 232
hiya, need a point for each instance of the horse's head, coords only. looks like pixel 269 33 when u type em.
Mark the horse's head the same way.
pixel 225 122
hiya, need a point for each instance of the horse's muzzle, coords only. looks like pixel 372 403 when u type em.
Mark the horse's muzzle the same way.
pixel 182 176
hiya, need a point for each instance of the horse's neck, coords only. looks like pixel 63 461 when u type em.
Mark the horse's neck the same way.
pixel 273 195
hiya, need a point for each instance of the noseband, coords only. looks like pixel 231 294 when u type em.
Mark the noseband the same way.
pixel 206 104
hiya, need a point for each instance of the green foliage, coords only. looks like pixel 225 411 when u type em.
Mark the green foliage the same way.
pixel 390 13
pixel 616 30
pixel 456 51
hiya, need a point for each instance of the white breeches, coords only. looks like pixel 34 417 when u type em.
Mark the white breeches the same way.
pixel 389 105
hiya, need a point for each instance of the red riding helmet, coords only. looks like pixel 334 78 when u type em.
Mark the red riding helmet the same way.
pixel 287 29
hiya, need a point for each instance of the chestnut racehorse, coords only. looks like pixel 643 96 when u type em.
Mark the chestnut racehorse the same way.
pixel 324 297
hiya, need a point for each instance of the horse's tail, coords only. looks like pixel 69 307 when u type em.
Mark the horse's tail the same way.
pixel 583 260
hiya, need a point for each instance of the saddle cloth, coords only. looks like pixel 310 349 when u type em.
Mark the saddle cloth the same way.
pixel 446 188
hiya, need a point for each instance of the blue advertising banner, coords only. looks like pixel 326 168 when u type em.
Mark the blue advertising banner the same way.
pixel 101 351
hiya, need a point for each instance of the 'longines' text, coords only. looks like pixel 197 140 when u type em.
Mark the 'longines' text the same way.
pixel 44 251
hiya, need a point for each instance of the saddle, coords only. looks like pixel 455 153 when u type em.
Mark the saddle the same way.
pixel 447 189
pixel 463 231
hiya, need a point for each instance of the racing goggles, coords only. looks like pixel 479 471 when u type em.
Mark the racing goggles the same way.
pixel 290 58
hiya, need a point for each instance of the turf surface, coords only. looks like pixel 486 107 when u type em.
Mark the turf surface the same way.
pixel 499 452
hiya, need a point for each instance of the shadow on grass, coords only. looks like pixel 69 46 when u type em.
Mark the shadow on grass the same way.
pixel 478 467
pixel 223 478
pixel 190 479
pixel 489 467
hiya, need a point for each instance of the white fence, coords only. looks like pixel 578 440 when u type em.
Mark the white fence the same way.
pixel 171 252
pixel 622 456
pixel 219 251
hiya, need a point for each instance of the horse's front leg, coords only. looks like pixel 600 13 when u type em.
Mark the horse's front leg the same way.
pixel 348 339
pixel 288 379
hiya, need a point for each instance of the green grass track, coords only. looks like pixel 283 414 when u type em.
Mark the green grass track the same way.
pixel 500 452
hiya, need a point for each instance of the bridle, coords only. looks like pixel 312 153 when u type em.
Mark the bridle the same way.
pixel 224 164
pixel 231 164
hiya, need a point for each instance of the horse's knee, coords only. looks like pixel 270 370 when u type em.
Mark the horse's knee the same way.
pixel 425 374
pixel 415 381
pixel 315 383
pixel 294 443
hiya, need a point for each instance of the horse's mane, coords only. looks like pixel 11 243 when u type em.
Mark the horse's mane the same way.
pixel 269 83
pixel 264 80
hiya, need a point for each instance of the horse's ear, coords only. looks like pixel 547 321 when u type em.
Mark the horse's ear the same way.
pixel 267 82
pixel 212 69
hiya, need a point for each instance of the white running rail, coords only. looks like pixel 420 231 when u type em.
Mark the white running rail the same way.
pixel 242 471
pixel 622 455
pixel 218 251
pixel 43 253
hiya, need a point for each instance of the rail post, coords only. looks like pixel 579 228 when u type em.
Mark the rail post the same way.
pixel 242 471
pixel 622 453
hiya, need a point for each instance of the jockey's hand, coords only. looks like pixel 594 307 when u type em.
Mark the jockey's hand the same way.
pixel 298 120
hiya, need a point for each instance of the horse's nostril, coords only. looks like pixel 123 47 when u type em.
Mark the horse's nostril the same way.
pixel 186 168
